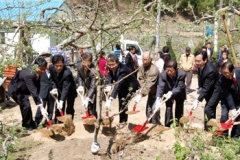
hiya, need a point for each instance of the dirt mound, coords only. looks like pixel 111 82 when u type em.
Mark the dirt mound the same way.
pixel 58 131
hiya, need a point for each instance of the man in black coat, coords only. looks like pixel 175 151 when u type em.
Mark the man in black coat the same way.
pixel 172 84
pixel 230 99
pixel 45 88
pixel 209 86
pixel 87 74
pixel 26 82
pixel 131 60
pixel 124 88
pixel 64 84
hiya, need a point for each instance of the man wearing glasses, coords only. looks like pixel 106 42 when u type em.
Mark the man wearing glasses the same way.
pixel 209 86
pixel 124 86
pixel 230 81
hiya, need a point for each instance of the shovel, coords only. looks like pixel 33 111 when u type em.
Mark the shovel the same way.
pixel 133 111
pixel 87 119
pixel 224 125
pixel 140 128
pixel 49 122
pixel 56 100
pixel 230 122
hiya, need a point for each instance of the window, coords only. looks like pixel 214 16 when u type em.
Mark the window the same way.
pixel 2 37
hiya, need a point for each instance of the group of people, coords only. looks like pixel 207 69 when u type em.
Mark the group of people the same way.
pixel 159 80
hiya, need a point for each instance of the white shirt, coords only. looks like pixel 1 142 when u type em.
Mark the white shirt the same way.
pixel 160 63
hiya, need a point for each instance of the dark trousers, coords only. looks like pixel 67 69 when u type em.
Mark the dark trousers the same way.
pixel 70 106
pixel 188 79
pixel 149 109
pixel 49 102
pixel 169 113
pixel 224 117
pixel 26 111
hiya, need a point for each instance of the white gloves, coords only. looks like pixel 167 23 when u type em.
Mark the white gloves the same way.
pixel 60 105
pixel 54 91
pixel 195 104
pixel 43 111
pixel 107 89
pixel 85 102
pixel 168 95
pixel 80 89
pixel 234 112
pixel 108 102
pixel 199 90
pixel 138 98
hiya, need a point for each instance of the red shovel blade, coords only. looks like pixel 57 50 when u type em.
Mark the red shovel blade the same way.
pixel 49 123
pixel 139 128
pixel 86 117
pixel 227 124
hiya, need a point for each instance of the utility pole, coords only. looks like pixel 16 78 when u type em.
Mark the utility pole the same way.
pixel 157 42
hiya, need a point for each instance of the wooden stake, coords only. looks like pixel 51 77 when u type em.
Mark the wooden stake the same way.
pixel 229 37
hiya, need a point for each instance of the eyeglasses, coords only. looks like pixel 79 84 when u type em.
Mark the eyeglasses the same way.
pixel 226 73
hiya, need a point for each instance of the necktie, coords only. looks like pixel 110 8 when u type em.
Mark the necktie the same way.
pixel 235 82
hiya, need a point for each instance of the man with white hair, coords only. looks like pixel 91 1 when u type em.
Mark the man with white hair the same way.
pixel 148 79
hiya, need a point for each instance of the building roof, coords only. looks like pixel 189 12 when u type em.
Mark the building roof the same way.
pixel 29 9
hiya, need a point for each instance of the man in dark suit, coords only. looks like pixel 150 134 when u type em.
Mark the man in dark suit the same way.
pixel 131 60
pixel 230 99
pixel 209 86
pixel 123 87
pixel 24 83
pixel 45 88
pixel 172 84
pixel 64 84
pixel 87 74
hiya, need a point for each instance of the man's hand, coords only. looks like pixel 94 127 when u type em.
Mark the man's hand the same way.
pixel 108 102
pixel 80 89
pixel 60 105
pixel 138 98
pixel 199 91
pixel 85 102
pixel 195 104
pixel 234 112
pixel 43 111
pixel 54 91
pixel 107 89
pixel 168 95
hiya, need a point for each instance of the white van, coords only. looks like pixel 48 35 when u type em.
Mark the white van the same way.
pixel 125 44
